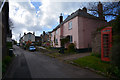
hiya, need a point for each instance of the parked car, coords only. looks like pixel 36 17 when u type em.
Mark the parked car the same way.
pixel 18 44
pixel 32 48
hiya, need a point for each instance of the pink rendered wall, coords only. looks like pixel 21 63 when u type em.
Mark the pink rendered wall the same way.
pixel 52 38
pixel 86 27
pixel 57 36
pixel 80 33
pixel 73 31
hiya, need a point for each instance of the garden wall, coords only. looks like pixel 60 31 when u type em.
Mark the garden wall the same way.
pixel 96 42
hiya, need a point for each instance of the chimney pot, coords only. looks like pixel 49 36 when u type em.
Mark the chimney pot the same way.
pixel 85 9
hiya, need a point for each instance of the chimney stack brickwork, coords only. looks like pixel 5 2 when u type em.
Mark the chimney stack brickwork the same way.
pixel 61 18
pixel 85 9
pixel 100 11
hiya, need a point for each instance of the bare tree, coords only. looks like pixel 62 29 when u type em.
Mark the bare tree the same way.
pixel 109 8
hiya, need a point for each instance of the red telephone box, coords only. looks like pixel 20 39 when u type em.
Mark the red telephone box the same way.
pixel 106 43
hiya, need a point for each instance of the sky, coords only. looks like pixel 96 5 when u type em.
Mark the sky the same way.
pixel 38 16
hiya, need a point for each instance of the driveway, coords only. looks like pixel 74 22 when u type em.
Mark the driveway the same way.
pixel 38 65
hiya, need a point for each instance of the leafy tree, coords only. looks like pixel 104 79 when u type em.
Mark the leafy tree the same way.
pixel 115 57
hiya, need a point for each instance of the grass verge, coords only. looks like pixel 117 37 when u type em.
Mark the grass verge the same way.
pixel 5 63
pixel 95 63
pixel 92 62
pixel 54 55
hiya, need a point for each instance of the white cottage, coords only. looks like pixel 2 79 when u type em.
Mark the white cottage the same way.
pixel 27 37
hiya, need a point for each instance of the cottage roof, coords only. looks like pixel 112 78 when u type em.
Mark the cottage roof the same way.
pixel 2 4
pixel 37 37
pixel 80 13
pixel 26 34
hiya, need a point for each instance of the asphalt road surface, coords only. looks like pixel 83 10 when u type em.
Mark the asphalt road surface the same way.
pixel 37 65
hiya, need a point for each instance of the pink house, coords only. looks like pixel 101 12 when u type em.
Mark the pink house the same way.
pixel 79 26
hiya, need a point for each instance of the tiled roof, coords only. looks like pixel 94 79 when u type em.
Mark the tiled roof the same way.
pixel 80 13
pixel 2 4
pixel 37 37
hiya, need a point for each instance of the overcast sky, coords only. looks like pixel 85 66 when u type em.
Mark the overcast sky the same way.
pixel 38 16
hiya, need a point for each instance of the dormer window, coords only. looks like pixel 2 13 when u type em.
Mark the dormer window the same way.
pixel 70 25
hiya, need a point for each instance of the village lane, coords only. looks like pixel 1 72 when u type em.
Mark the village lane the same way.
pixel 41 66
pixel 18 67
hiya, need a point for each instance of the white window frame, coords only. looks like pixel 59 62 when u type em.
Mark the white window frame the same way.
pixel 71 39
pixel 37 40
pixel 56 31
pixel 56 41
pixel 70 25
pixel 51 34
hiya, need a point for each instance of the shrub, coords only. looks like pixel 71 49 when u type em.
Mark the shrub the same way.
pixel 9 45
pixel 96 54
pixel 7 60
pixel 5 63
pixel 100 28
pixel 116 39
pixel 115 56
pixel 71 47
pixel 116 25
pixel 3 67
pixel 113 70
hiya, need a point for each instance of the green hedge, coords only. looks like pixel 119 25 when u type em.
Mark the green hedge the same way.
pixel 71 47
pixel 5 63
pixel 9 45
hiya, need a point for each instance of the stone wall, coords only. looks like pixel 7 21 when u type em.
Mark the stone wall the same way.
pixel 96 42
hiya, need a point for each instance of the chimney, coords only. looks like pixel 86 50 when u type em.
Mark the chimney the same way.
pixel 61 18
pixel 100 10
pixel 33 33
pixel 85 9
pixel 43 32
pixel 24 33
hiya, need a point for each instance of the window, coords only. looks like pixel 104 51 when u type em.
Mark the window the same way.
pixel 51 34
pixel 29 37
pixel 37 40
pixel 48 39
pixel 56 31
pixel 70 25
pixel 56 41
pixel 71 39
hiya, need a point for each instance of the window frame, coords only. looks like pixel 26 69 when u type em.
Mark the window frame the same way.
pixel 71 39
pixel 70 25
pixel 56 41
pixel 56 31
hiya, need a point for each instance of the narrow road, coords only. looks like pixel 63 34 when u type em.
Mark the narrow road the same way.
pixel 19 67
pixel 37 65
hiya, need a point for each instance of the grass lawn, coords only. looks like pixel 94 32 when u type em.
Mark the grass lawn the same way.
pixel 93 62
